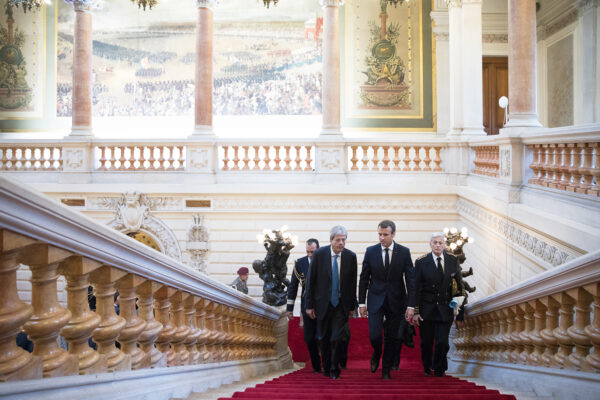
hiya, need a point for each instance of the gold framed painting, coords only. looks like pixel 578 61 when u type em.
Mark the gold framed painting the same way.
pixel 22 62
pixel 388 75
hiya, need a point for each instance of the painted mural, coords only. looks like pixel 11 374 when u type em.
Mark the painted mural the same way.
pixel 388 64
pixel 266 61
pixel 21 62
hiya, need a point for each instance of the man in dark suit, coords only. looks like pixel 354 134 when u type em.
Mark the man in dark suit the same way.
pixel 386 267
pixel 331 297
pixel 300 276
pixel 436 274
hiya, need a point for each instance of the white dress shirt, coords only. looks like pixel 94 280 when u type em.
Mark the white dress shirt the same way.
pixel 441 261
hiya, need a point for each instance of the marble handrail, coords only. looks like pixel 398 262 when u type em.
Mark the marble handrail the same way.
pixel 171 326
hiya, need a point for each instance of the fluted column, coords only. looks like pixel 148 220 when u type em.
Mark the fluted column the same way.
pixel 83 322
pixel 48 315
pixel 331 67
pixel 82 70
pixel 522 64
pixel 15 363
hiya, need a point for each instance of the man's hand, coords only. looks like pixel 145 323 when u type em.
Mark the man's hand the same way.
pixel 290 315
pixel 416 319
pixel 311 313
pixel 409 313
pixel 363 311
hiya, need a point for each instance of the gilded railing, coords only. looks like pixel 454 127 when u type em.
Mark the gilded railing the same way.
pixel 551 320
pixel 169 315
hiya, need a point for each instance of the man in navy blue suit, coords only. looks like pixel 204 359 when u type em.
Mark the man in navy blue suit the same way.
pixel 300 276
pixel 331 297
pixel 386 268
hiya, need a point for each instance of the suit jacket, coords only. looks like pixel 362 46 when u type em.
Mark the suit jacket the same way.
pixel 301 267
pixel 319 285
pixel 381 283
pixel 433 294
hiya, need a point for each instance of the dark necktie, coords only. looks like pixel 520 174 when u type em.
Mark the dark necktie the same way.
pixel 335 283
pixel 387 258
pixel 439 267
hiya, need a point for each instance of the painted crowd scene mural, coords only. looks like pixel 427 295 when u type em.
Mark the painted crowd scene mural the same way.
pixel 266 62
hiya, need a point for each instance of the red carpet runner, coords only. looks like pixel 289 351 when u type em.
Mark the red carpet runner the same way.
pixel 358 383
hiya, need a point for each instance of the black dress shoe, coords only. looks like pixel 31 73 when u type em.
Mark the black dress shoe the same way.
pixel 438 374
pixel 335 375
pixel 374 362
pixel 428 372
pixel 386 375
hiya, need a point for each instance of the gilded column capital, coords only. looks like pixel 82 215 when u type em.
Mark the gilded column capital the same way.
pixel 210 4
pixel 331 3
pixel 86 5
pixel 454 3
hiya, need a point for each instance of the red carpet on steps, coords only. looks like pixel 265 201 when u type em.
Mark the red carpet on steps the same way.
pixel 358 383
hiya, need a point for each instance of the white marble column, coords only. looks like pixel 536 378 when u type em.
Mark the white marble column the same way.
pixel 472 64
pixel 455 57
pixel 331 67
pixel 442 65
pixel 203 108
pixel 81 118
pixel 587 62
pixel 522 64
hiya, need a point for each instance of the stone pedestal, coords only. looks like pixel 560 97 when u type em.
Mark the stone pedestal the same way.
pixel 284 354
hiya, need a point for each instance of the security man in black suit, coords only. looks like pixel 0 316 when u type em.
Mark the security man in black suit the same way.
pixel 437 276
pixel 300 276
pixel 331 297
pixel 386 267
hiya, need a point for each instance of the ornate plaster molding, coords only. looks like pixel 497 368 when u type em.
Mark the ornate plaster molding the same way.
pixel 585 5
pixel 565 20
pixel 331 3
pixel 132 214
pixel 153 203
pixel 441 36
pixel 454 3
pixel 328 204
pixel 495 38
pixel 515 235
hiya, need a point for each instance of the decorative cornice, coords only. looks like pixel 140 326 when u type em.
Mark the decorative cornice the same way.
pixel 454 3
pixel 585 5
pixel 331 3
pixel 210 4
pixel 515 234
pixel 153 203
pixel 342 205
pixel 494 38
pixel 550 29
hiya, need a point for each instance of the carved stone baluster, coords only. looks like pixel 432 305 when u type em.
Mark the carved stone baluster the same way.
pixel 495 328
pixel 256 159
pixel 246 158
pixel 192 337
pixel 236 158
pixel 48 316
pixel 219 334
pixel 182 355
pixel 83 321
pixel 204 332
pixel 577 333
pixel 516 335
pixel 134 325
pixel 227 336
pixel 507 339
pixel 528 327
pixel 593 330
pixel 561 167
pixel 547 334
pixel 15 363
pixel 586 168
pixel 277 158
pixel 499 339
pixel 298 159
pixel 535 163
pixel 539 317
pixel 427 159
pixel 417 159
pixel 437 160
pixel 354 158
pixel 153 358
pixel 287 160
pixel 573 169
pixel 565 343
pixel 162 306
pixel 212 335
pixel 386 158
pixel 595 189
pixel 225 158
pixel 104 280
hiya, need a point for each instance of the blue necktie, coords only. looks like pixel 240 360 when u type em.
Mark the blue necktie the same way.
pixel 335 283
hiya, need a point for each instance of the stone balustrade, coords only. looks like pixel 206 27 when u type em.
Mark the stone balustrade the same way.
pixel 551 320
pixel 34 157
pixel 416 158
pixel 183 318
pixel 486 161
pixel 139 158
pixel 574 167
pixel 266 157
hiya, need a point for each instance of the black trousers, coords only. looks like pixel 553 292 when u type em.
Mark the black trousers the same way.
pixel 434 356
pixel 332 331
pixel 390 333
pixel 311 340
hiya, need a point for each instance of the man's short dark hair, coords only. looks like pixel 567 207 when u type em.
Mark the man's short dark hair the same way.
pixel 311 241
pixel 386 223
